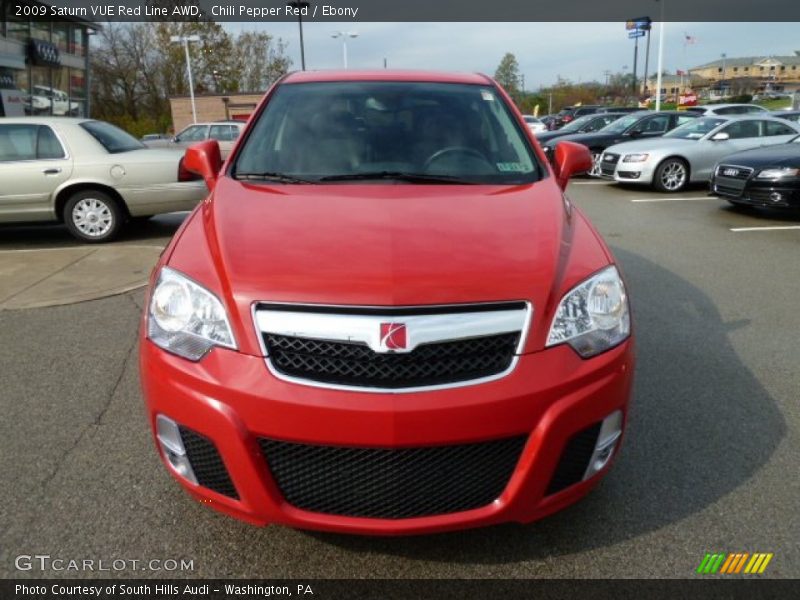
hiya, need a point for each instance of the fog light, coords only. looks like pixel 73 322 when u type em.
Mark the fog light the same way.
pixel 607 440
pixel 169 438
pixel 776 196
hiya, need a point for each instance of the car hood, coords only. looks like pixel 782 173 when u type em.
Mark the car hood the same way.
pixel 659 144
pixel 545 137
pixel 782 155
pixel 387 245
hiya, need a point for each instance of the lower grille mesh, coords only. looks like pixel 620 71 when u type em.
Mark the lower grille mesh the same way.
pixel 392 483
pixel 355 364
pixel 575 459
pixel 206 463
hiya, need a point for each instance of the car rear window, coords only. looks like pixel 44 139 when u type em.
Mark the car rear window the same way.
pixel 112 138
pixel 324 130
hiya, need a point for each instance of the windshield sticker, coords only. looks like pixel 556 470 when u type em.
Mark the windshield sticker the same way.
pixel 508 167
pixel 488 96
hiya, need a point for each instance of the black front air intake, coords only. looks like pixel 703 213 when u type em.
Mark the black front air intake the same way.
pixel 357 365
pixel 574 459
pixel 207 463
pixel 392 483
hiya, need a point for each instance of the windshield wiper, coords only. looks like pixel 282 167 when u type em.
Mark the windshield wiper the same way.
pixel 399 175
pixel 271 176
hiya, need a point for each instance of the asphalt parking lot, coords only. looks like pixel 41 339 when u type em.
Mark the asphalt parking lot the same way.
pixel 709 465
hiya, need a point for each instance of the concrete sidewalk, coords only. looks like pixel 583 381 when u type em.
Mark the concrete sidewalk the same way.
pixel 54 276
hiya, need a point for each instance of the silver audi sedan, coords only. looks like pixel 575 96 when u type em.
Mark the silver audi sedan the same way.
pixel 688 153
pixel 88 174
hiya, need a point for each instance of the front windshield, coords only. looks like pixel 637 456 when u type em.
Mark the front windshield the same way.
pixel 621 125
pixel 112 138
pixel 373 130
pixel 696 128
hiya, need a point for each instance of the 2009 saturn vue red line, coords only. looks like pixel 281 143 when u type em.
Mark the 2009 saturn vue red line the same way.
pixel 387 317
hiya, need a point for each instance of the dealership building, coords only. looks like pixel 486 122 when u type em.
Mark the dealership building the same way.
pixel 44 66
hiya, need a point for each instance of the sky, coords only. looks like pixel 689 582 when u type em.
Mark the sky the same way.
pixel 545 51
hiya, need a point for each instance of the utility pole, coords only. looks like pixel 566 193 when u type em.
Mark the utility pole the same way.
pixel 647 62
pixel 635 58
pixel 300 4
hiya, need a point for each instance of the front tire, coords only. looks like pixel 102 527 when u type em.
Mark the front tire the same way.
pixel 671 176
pixel 93 216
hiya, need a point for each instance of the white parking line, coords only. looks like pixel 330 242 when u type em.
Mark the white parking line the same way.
pixel 674 199
pixel 773 228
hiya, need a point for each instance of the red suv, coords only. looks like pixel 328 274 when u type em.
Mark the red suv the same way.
pixel 387 317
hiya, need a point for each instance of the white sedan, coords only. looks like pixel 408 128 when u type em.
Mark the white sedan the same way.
pixel 88 174
pixel 534 124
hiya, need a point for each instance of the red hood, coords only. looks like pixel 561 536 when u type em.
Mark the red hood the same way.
pixel 386 244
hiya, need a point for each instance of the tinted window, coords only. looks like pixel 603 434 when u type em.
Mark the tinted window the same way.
pixel 223 133
pixel 344 129
pixel 743 129
pixel 18 142
pixel 112 138
pixel 774 128
pixel 621 125
pixel 658 124
pixel 48 146
pixel 683 119
pixel 194 133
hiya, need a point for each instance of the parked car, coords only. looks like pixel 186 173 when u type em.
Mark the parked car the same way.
pixel 549 121
pixel 689 153
pixel 88 174
pixel 386 316
pixel 789 115
pixel 585 124
pixel 225 132
pixel 640 125
pixel 570 113
pixel 728 109
pixel 534 124
pixel 764 177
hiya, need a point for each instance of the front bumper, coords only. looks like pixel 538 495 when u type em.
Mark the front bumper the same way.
pixel 639 172
pixel 759 194
pixel 232 400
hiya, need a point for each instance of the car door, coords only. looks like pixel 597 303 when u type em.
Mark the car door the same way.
pixel 777 133
pixel 743 135
pixel 33 163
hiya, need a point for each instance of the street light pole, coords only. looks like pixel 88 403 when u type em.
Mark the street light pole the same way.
pixel 300 5
pixel 185 39
pixel 660 56
pixel 344 35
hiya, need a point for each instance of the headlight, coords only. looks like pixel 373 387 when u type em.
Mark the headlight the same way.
pixel 593 316
pixel 185 318
pixel 777 173
pixel 635 157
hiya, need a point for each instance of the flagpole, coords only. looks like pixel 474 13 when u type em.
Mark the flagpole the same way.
pixel 660 57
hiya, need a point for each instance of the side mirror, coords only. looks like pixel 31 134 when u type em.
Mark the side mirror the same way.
pixel 204 159
pixel 720 137
pixel 570 159
pixel 636 133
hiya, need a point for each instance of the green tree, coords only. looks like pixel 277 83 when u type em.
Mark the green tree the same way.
pixel 507 74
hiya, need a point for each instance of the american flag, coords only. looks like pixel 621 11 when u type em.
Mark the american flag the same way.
pixel 689 39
